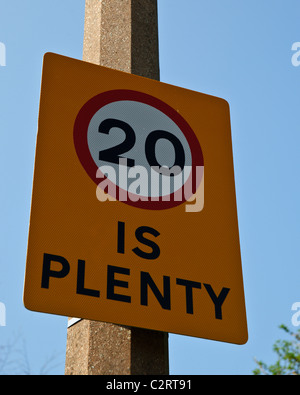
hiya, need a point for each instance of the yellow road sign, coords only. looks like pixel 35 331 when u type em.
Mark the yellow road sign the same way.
pixel 122 227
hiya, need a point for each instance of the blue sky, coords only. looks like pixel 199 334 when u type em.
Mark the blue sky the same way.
pixel 240 51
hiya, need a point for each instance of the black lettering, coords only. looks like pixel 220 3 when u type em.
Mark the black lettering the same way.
pixel 150 148
pixel 163 299
pixel 139 234
pixel 121 237
pixel 112 283
pixel 80 282
pixel 112 154
pixel 47 272
pixel 217 300
pixel 189 285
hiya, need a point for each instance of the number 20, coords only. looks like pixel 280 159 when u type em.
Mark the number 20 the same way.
pixel 113 154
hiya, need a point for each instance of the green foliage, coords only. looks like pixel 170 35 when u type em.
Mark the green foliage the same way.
pixel 288 353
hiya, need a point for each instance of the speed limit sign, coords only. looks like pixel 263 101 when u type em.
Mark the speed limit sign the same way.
pixel 123 228
pixel 149 152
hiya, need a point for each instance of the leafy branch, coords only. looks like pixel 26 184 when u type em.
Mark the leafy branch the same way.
pixel 288 356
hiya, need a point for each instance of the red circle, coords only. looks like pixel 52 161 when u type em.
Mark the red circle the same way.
pixel 82 149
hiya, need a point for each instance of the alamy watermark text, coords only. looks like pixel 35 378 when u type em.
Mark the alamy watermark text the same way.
pixel 296 55
pixel 2 314
pixel 2 55
pixel 137 183
pixel 296 315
